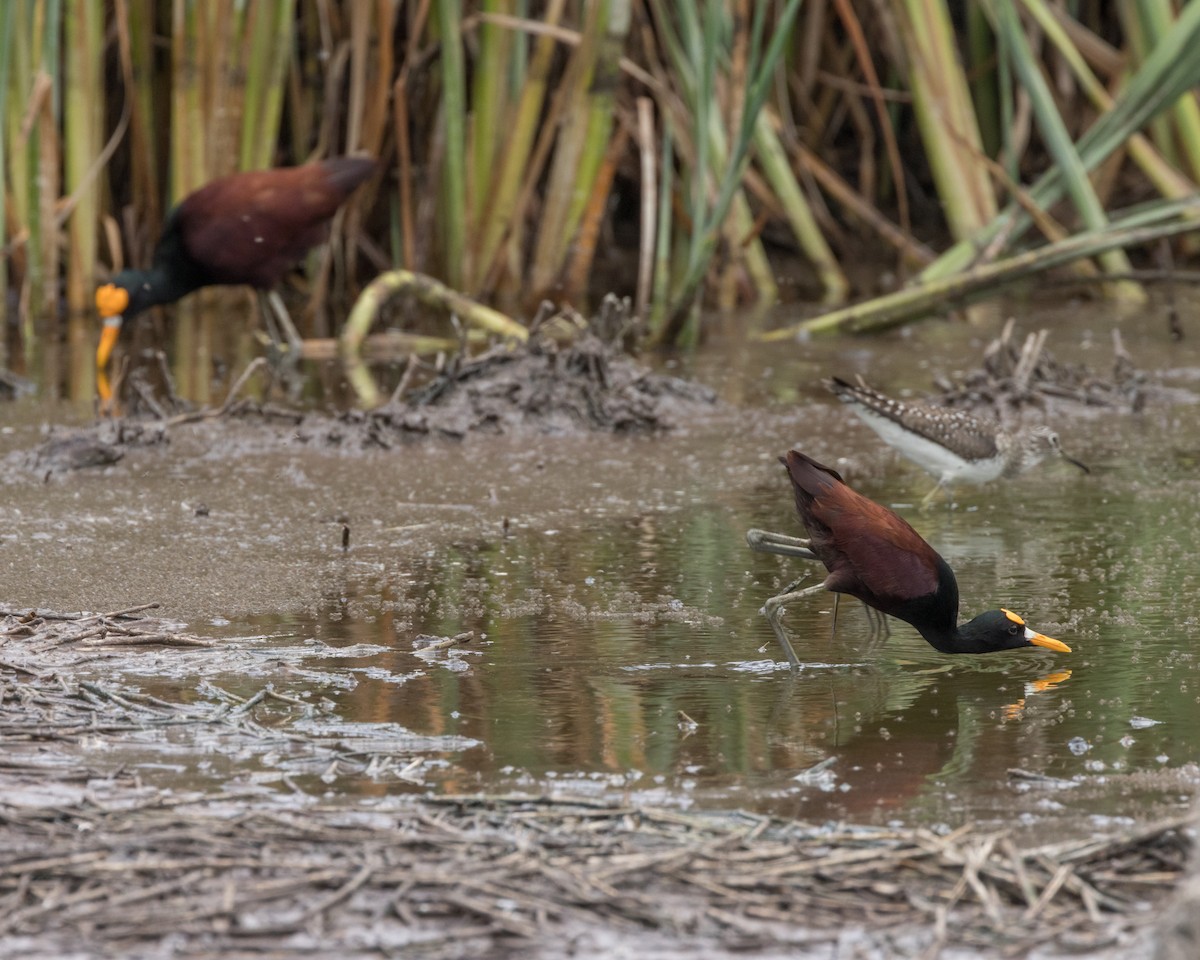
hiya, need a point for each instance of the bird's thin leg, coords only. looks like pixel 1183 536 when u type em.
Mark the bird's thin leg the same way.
pixel 837 601
pixel 765 541
pixel 278 312
pixel 878 627
pixel 941 484
pixel 284 349
pixel 774 606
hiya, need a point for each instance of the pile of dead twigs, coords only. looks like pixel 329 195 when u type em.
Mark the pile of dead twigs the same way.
pixel 1015 375
pixel 42 630
pixel 459 875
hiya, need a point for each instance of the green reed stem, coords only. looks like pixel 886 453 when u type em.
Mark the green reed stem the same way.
pixel 83 141
pixel 1058 141
pixel 1170 70
pixel 760 70
pixel 946 116
pixel 1166 179
pixel 563 181
pixel 453 220
pixel 7 16
pixel 514 161
pixel 269 48
pixel 1142 224
pixel 1157 17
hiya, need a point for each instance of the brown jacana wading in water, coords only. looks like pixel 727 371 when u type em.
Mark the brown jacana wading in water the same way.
pixel 873 554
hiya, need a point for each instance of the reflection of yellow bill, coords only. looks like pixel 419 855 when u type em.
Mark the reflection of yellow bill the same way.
pixel 1048 682
pixel 1014 711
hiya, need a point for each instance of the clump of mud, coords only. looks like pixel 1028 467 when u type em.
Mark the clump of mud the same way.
pixel 546 386
pixel 586 380
pixel 552 383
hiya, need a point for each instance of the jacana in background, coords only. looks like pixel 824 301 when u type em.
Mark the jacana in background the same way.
pixel 950 444
pixel 873 554
pixel 246 228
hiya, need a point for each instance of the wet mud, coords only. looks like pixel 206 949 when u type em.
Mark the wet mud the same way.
pixel 145 825
pixel 548 385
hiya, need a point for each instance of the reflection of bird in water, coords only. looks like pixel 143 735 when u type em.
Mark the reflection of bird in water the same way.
pixel 873 554
pixel 865 756
pixel 247 228
pixel 950 444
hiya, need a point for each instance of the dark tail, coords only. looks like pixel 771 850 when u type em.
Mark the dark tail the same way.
pixel 808 474
pixel 343 174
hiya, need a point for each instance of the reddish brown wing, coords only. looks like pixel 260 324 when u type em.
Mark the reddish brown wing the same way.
pixel 253 227
pixel 871 553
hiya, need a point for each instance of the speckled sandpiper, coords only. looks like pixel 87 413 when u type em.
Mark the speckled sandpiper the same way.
pixel 950 444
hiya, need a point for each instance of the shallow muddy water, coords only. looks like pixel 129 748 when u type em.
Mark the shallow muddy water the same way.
pixel 618 647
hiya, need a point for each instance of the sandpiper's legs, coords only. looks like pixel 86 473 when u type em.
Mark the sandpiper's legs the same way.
pixel 929 497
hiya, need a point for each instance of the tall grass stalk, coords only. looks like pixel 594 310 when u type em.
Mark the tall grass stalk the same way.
pixel 269 45
pixel 580 144
pixel 7 16
pixel 453 220
pixel 946 115
pixel 661 288
pixel 83 144
pixel 648 208
pixel 501 213
pixel 760 70
pixel 1058 142
pixel 49 162
pixel 134 33
pixel 1167 73
pixel 1157 17
pixel 1166 179
pixel 21 155
pixel 598 136
pixel 775 165
pixel 1138 27
pixel 489 107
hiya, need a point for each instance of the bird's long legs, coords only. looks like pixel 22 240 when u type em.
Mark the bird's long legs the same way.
pixel 928 499
pixel 774 606
pixel 284 350
pixel 279 323
pixel 766 541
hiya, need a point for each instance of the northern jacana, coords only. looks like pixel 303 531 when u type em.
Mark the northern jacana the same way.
pixel 950 444
pixel 246 228
pixel 873 554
